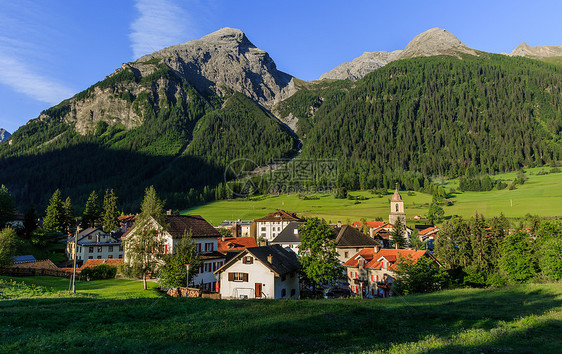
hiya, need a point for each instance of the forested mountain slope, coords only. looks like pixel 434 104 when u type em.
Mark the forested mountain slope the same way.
pixel 434 116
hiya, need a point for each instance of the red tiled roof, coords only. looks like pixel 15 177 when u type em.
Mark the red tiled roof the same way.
pixel 126 218
pixel 178 224
pixel 236 244
pixel 373 224
pixel 391 255
pixel 90 263
pixel 429 230
pixel 280 215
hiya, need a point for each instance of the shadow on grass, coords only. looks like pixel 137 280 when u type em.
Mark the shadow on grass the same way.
pixel 450 321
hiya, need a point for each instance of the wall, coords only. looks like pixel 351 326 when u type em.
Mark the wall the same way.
pixel 257 273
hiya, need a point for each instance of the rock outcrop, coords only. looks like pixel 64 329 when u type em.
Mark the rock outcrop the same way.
pixel 525 50
pixel 435 41
pixel 4 135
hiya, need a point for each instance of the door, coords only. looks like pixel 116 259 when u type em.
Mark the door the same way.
pixel 258 290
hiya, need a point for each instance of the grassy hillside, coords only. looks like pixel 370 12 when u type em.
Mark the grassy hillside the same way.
pixel 541 195
pixel 525 318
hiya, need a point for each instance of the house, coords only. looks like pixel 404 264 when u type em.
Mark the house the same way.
pixel 349 241
pixel 205 236
pixel 239 228
pixel 371 271
pixel 126 221
pixel 268 227
pixel 24 259
pixel 267 272
pixel 289 237
pixel 428 235
pixel 235 244
pixel 93 243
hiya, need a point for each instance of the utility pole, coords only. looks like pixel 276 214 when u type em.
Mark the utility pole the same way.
pixel 73 280
pixel 187 279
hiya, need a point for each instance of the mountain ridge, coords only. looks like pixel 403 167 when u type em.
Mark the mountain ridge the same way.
pixel 4 135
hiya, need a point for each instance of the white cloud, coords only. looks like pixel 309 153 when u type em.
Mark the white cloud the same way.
pixel 22 79
pixel 161 24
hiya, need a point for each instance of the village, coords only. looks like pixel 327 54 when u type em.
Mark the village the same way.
pixel 251 259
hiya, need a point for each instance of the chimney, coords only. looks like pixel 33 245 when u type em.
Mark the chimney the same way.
pixel 396 245
pixel 169 212
pixel 339 223
pixel 270 259
pixel 377 249
pixel 222 239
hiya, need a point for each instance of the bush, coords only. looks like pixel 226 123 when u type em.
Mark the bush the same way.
pixel 102 271
pixel 554 170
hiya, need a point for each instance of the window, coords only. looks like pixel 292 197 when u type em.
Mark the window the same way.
pixel 377 278
pixel 120 248
pixel 293 292
pixel 346 254
pixel 283 292
pixel 120 256
pixel 372 277
pixel 99 249
pixel 99 257
pixel 110 256
pixel 90 249
pixel 248 260
pixel 237 276
pixel 263 228
pixel 90 257
pixel 283 277
pixel 110 249
pixel 89 237
pixel 199 248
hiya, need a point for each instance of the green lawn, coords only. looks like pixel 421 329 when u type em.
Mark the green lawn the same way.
pixel 541 195
pixel 524 318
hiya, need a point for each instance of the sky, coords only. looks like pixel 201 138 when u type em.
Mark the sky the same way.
pixel 51 50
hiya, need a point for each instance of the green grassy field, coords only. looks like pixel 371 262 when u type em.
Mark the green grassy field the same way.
pixel 541 195
pixel 524 318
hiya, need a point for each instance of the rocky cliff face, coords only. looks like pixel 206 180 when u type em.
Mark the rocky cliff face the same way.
pixel 435 41
pixel 4 135
pixel 226 60
pixel 525 50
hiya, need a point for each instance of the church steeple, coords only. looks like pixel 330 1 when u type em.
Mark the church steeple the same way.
pixel 396 208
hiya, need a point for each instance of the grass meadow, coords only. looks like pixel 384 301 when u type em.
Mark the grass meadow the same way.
pixel 540 195
pixel 102 318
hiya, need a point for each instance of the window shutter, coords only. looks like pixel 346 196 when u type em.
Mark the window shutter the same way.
pixel 244 276
pixel 230 276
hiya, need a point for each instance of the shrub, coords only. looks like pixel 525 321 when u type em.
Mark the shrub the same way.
pixel 554 170
pixel 102 271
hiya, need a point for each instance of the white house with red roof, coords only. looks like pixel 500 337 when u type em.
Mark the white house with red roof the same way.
pixel 272 224
pixel 372 271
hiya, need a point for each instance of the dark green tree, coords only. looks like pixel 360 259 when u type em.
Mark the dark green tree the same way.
pixel 173 273
pixel 397 234
pixel 69 218
pixel 435 213
pixel 317 254
pixel 7 206
pixel 516 260
pixel 550 258
pixel 421 276
pixel 29 222
pixel 91 215
pixel 55 217
pixel 415 242
pixel 8 244
pixel 110 217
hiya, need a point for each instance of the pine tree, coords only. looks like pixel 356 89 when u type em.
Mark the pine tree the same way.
pixel 174 272
pixel 397 234
pixel 7 206
pixel 29 222
pixel 8 242
pixel 91 212
pixel 110 217
pixel 54 218
pixel 69 218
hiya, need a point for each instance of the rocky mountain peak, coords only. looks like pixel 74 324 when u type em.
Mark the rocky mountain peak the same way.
pixel 525 50
pixel 435 41
pixel 4 135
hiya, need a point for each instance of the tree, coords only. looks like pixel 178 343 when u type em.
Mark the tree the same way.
pixel 143 247
pixel 435 213
pixel 173 273
pixel 91 211
pixel 29 222
pixel 55 218
pixel 317 253
pixel 416 243
pixel 516 260
pixel 397 234
pixel 110 217
pixel 7 206
pixel 8 243
pixel 550 259
pixel 421 276
pixel 69 219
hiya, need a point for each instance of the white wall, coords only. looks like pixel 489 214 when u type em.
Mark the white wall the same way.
pixel 270 229
pixel 257 273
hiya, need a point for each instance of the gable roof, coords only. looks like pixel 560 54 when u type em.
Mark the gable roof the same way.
pixel 283 261
pixel 428 231
pixel 229 223
pixel 371 224
pixel 373 260
pixel 349 236
pixel 90 263
pixel 24 259
pixel 199 227
pixel 288 235
pixel 236 244
pixel 279 215
pixel 396 197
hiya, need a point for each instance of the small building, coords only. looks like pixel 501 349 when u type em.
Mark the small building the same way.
pixel 239 228
pixel 266 272
pixel 349 241
pixel 268 227
pixel 93 243
pixel 428 236
pixel 235 244
pixel 372 271
pixel 289 237
pixel 24 259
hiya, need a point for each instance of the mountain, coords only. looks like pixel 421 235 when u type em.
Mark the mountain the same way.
pixel 433 42
pixel 525 50
pixel 174 119
pixel 4 135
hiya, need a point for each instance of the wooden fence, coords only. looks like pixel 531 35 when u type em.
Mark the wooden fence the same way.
pixel 26 272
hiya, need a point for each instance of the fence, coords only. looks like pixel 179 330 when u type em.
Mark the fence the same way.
pixel 26 272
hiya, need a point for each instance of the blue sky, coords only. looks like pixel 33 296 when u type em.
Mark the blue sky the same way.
pixel 50 50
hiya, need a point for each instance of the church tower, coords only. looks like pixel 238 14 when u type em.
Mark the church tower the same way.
pixel 397 208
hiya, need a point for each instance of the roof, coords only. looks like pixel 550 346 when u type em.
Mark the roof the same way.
pixel 90 263
pixel 42 264
pixel 198 226
pixel 280 215
pixel 282 261
pixel 88 231
pixel 391 255
pixel 86 243
pixel 212 255
pixel 396 197
pixel 228 223
pixel 126 218
pixel 372 224
pixel 428 231
pixel 236 244
pixel 24 259
pixel 349 236
pixel 288 235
